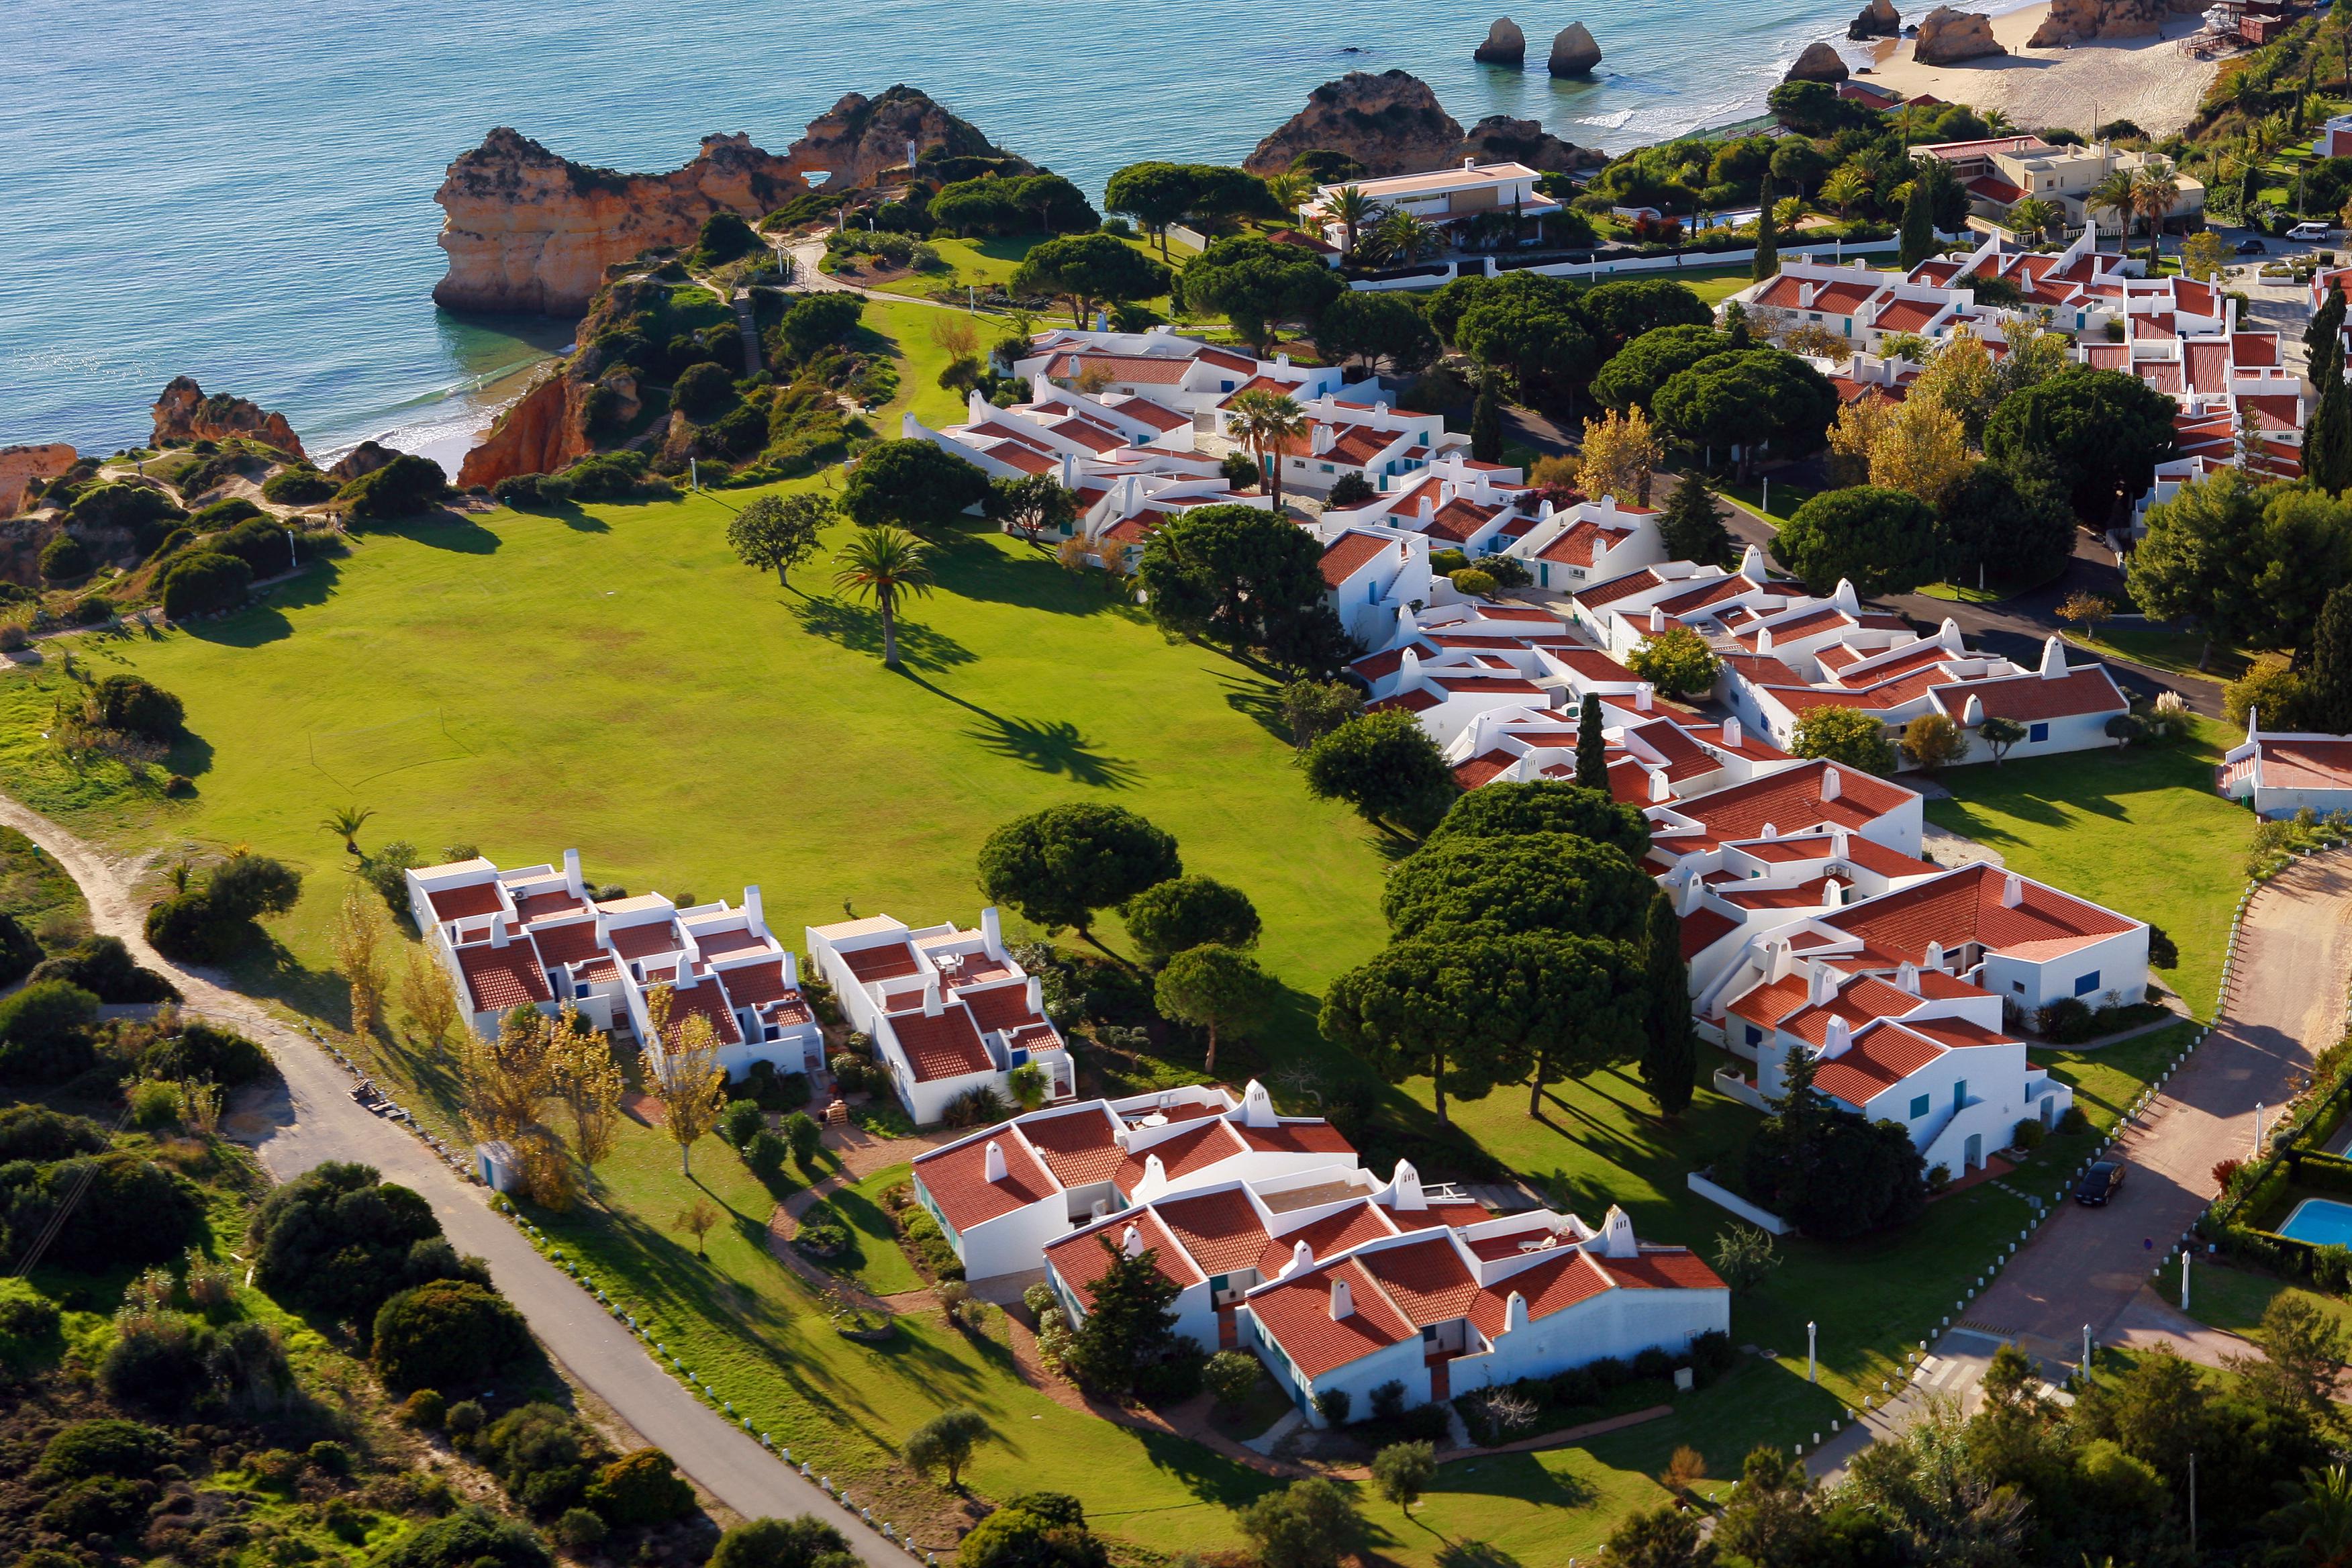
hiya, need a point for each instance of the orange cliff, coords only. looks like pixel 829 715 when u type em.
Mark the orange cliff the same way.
pixel 185 412
pixel 526 230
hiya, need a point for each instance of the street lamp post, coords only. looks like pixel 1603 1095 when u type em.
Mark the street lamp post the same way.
pixel 2184 1279
pixel 1812 1371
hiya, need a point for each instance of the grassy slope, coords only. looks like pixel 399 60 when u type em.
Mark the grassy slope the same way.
pixel 2139 830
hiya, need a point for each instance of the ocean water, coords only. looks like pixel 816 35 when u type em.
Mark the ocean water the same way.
pixel 241 190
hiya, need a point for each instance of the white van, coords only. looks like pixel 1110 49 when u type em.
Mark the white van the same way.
pixel 2313 231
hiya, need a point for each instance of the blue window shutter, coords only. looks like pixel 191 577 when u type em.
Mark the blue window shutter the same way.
pixel 2037 732
pixel 2087 984
pixel 1918 1107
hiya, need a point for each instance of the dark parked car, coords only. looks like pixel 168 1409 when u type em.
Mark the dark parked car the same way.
pixel 2099 1182
pixel 2252 248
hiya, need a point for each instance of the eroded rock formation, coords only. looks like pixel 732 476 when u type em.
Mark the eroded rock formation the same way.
pixel 548 428
pixel 1818 63
pixel 526 230
pixel 2071 22
pixel 185 414
pixel 1573 52
pixel 1879 20
pixel 1391 123
pixel 22 467
pixel 1947 36
pixel 1505 45
pixel 1499 139
pixel 364 458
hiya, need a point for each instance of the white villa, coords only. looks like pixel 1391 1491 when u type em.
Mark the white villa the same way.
pixel 2279 772
pixel 1003 1196
pixel 1999 172
pixel 948 1010
pixel 1160 366
pixel 535 937
pixel 1439 196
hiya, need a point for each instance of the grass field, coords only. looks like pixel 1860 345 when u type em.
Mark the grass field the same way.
pixel 2139 830
pixel 2234 1299
pixel 2176 653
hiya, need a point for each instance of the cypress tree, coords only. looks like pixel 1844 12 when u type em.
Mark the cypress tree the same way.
pixel 2327 444
pixel 1768 244
pixel 1689 527
pixel 1591 748
pixel 2327 684
pixel 1669 1062
pixel 2322 337
pixel 1486 422
pixel 1918 235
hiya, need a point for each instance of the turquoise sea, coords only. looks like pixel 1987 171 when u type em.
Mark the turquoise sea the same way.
pixel 241 190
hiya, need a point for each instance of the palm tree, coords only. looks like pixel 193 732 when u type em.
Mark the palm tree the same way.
pixel 1997 122
pixel 2155 191
pixel 2113 194
pixel 878 564
pixel 1355 210
pixel 2323 1512
pixel 345 822
pixel 1267 422
pixel 1290 191
pixel 1844 188
pixel 1407 238
pixel 2033 216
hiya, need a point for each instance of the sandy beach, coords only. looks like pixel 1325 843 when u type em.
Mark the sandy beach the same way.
pixel 2147 80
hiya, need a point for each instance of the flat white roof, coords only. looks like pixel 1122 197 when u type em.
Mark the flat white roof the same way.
pixel 1439 180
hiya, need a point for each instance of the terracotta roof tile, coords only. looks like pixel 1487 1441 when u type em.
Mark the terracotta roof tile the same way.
pixel 465 903
pixel 1080 1147
pixel 1221 1230
pixel 503 977
pixel 957 1179
pixel 941 1046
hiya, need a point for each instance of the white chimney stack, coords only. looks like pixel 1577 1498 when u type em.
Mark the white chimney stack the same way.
pixel 1617 1234
pixel 1660 790
pixel 572 877
pixel 1731 732
pixel 1833 892
pixel 1035 990
pixel 992 1165
pixel 1405 1189
pixel 992 933
pixel 1934 957
pixel 932 1006
pixel 2012 890
pixel 498 928
pixel 1972 711
pixel 755 912
pixel 1831 785
pixel 1257 1105
pixel 1301 1257
pixel 1821 984
pixel 2054 657
pixel 1132 1242
pixel 1343 1303
pixel 1838 1040
pixel 1515 1312
pixel 1906 977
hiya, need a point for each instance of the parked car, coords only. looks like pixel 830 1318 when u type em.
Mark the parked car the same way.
pixel 2252 248
pixel 2099 1182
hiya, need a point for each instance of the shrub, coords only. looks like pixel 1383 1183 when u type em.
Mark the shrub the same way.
pixel 424 1410
pixel 297 487
pixel 978 1106
pixel 1229 1375
pixel 1607 1373
pixel 805 1136
pixel 580 1529
pixel 2071 1119
pixel 450 1332
pixel 1476 582
pixel 205 584
pixel 739 1120
pixel 64 558
pixel 157 1361
pixel 764 1153
pixel 1172 1378
pixel 337 1240
pixel 402 488
pixel 13 637
pixel 138 706
pixel 227 512
pixel 1352 490
pixel 1654 1362
pixel 1575 1386
pixel 260 543
pixel 37 1133
pixel 1332 1405
pixel 473 1537
pixel 544 1458
pixel 100 1506
pixel 131 1211
pixel 104 967
pixel 25 1320
pixel 703 391
pixel 44 1032
pixel 18 954
pixel 108 1446
pixel 2027 1134
pixel 1711 1355
pixel 799 1542
pixel 94 611
pixel 642 1488
pixel 2066 1022
pixel 202 1051
pixel 465 1416
pixel 526 491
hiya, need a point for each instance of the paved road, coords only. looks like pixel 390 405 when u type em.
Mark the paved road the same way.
pixel 318 1120
pixel 2094 1266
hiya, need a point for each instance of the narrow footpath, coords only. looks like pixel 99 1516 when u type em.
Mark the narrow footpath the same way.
pixel 318 1120
pixel 2094 1267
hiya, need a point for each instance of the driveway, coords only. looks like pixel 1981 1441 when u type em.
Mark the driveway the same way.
pixel 316 1120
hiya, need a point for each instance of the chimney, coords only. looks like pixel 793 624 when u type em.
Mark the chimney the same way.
pixel 1342 1302
pixel 572 877
pixel 1283 361
pixel 1301 1257
pixel 1840 845
pixel 1771 831
pixel 1805 296
pixel 993 1164
pixel 2012 890
pixel 1831 785
pixel 1838 1040
pixel 1660 791
pixel 1751 565
pixel 1845 598
pixel 1405 1189
pixel 1318 438
pixel 1972 711
pixel 1132 1242
pixel 1040 389
pixel 911 428
pixel 1155 1175
pixel 1617 1234
pixel 932 1007
pixel 1641 698
pixel 1257 1105
pixel 1731 732
pixel 1409 664
pixel 498 929
pixel 1469 163
pixel 1687 895
pixel 755 912
pixel 1948 634
pixel 2054 657
pixel 976 408
pixel 1657 620
pixel 1934 957
pixel 1783 961
pixel 1906 977
pixel 791 970
pixel 1833 893
pixel 1070 470
pixel 1821 984
pixel 1428 507
pixel 1515 1312
pixel 1037 994
pixel 992 933
pixel 1764 639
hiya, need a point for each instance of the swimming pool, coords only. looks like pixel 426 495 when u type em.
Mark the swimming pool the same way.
pixel 2322 1222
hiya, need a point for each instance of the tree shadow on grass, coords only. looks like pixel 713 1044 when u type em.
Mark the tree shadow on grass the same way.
pixel 265 621
pixel 1473 1554
pixel 859 630
pixel 1520 1475
pixel 443 529
pixel 1050 746
pixel 1259 701
pixel 973 568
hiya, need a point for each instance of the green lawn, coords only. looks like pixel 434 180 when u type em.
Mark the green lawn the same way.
pixel 1784 499
pixel 2139 830
pixel 2107 1079
pixel 1712 284
pixel 2176 653
pixel 2233 1300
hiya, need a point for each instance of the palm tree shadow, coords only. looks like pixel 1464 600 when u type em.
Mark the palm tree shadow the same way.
pixel 859 629
pixel 1050 746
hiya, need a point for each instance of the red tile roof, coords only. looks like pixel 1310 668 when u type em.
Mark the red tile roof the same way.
pixel 1180 1153
pixel 945 1046
pixel 503 977
pixel 1702 929
pixel 1221 1230
pixel 887 962
pixel 645 940
pixel 1345 555
pixel 1791 800
pixel 463 903
pixel 2026 698
pixel 573 941
pixel 1083 1259
pixel 1296 1138
pixel 956 1178
pixel 752 985
pixel 1965 906
pixel 1298 1315
pixel 1663 1268
pixel 1001 1007
pixel 1334 1232
pixel 1879 1058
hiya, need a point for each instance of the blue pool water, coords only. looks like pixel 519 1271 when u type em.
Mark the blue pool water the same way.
pixel 242 191
pixel 2322 1222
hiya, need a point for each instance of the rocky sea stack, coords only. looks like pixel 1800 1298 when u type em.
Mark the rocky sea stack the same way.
pixel 526 230
pixel 1878 20
pixel 1394 124
pixel 1818 63
pixel 1505 45
pixel 2072 22
pixel 1947 36
pixel 1573 52
pixel 185 414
